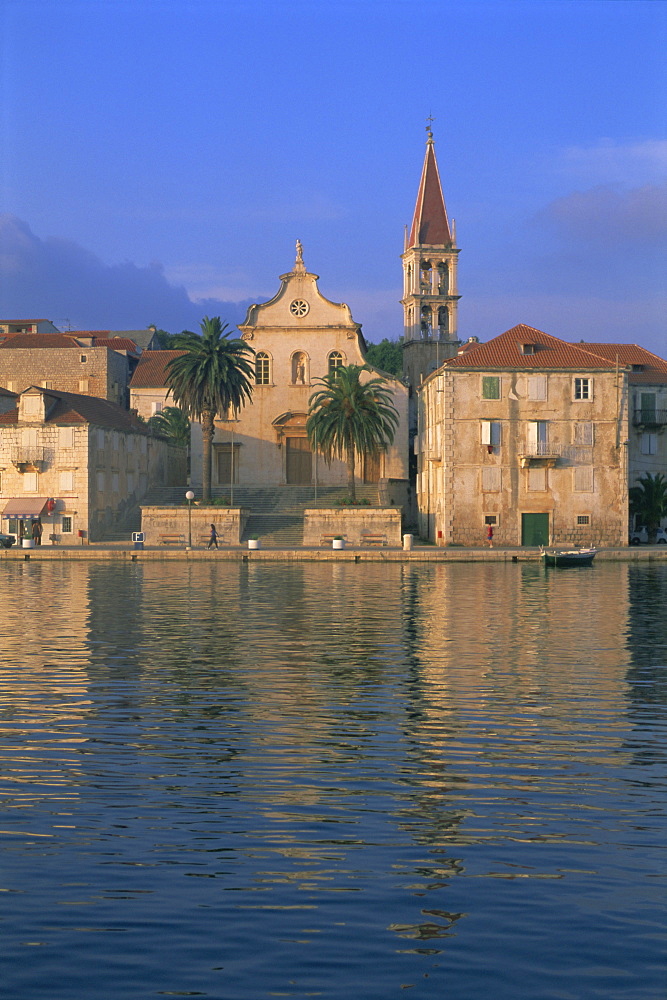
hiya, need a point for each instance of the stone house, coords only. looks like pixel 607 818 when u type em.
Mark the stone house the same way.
pixel 84 363
pixel 647 381
pixel 528 434
pixel 80 463
pixel 148 385
pixel 15 326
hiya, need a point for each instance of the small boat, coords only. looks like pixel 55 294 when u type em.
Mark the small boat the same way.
pixel 568 557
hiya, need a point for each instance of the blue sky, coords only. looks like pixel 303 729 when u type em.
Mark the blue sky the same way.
pixel 161 157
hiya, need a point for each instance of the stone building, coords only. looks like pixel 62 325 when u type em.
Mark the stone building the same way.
pixel 16 326
pixel 85 363
pixel 148 385
pixel 528 434
pixel 79 462
pixel 298 337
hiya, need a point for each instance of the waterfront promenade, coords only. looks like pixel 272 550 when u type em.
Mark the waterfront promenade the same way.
pixel 125 552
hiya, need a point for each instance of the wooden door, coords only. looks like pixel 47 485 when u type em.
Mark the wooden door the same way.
pixel 299 461
pixel 534 529
pixel 371 468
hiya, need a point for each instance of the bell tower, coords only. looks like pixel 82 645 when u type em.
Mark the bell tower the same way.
pixel 430 294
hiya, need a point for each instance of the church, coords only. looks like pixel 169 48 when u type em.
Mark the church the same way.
pixel 298 337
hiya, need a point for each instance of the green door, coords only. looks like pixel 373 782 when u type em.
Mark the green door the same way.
pixel 534 529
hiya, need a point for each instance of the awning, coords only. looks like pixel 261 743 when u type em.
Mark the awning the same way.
pixel 25 507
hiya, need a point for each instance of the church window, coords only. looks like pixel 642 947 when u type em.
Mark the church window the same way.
pixel 336 360
pixel 262 368
pixel 443 280
pixel 490 387
pixel 299 307
pixel 443 319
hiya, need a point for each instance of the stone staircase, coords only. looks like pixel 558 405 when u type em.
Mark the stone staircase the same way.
pixel 276 512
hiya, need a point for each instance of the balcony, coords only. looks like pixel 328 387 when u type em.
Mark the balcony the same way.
pixel 540 453
pixel 649 417
pixel 28 459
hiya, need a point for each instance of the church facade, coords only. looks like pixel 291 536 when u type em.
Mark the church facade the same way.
pixel 299 336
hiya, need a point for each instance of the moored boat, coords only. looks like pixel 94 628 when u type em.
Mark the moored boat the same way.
pixel 568 557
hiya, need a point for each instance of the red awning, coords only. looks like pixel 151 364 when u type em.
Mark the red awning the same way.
pixel 25 507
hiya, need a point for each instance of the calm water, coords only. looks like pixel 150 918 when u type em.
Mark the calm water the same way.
pixel 338 781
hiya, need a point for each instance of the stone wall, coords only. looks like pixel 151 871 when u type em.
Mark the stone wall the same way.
pixel 356 524
pixel 104 372
pixel 159 521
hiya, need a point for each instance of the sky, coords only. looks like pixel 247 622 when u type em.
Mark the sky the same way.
pixel 161 157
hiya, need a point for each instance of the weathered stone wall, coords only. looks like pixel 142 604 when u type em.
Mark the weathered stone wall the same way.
pixel 352 523
pixel 229 523
pixel 104 373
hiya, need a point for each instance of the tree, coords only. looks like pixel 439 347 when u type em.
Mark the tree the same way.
pixel 167 341
pixel 387 356
pixel 347 417
pixel 648 501
pixel 211 377
pixel 171 422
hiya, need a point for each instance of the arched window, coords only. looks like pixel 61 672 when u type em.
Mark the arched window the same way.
pixel 336 359
pixel 262 368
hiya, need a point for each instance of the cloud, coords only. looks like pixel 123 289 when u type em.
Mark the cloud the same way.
pixel 59 280
pixel 608 162
pixel 609 216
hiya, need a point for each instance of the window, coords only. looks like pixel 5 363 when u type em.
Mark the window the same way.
pixel 83 385
pixel 490 387
pixel 100 482
pixel 583 433
pixel 491 519
pixel 262 368
pixel 537 479
pixel 583 479
pixel 83 358
pixel 583 519
pixel 29 482
pixel 31 405
pixel 537 437
pixel 491 479
pixel 130 482
pixel 156 407
pixel 649 443
pixel 47 385
pixel 66 482
pixel 528 348
pixel 66 524
pixel 66 437
pixel 100 439
pixel 29 437
pixel 537 388
pixel 115 482
pixel 335 361
pixel 583 388
pixel 491 432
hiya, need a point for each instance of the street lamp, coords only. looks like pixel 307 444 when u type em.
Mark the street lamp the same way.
pixel 189 496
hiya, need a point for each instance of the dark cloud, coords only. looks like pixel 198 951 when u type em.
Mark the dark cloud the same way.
pixel 610 216
pixel 55 279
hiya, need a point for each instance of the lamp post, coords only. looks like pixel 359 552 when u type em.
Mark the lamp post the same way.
pixel 189 496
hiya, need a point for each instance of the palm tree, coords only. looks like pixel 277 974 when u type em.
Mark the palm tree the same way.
pixel 347 417
pixel 648 501
pixel 212 376
pixel 172 422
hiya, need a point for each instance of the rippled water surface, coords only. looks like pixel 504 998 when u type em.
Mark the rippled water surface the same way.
pixel 339 781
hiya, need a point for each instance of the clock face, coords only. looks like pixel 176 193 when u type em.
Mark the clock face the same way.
pixel 299 307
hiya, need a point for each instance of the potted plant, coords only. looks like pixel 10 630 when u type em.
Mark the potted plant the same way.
pixel 338 542
pixel 254 542
pixel 27 542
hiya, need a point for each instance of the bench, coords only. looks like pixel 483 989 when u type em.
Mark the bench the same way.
pixel 328 539
pixel 368 538
pixel 171 539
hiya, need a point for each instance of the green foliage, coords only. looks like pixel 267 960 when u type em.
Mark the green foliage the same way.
pixel 648 500
pixel 387 356
pixel 213 376
pixel 348 417
pixel 172 423
pixel 167 341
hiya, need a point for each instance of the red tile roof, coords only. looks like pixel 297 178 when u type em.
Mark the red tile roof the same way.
pixel 151 372
pixel 654 367
pixel 117 344
pixel 506 351
pixel 36 340
pixel 72 408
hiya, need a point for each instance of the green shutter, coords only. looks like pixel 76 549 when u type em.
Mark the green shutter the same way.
pixel 490 387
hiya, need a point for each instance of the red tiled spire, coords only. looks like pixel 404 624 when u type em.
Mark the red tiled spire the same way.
pixel 430 225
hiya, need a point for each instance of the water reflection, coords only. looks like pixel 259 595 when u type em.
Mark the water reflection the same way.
pixel 258 769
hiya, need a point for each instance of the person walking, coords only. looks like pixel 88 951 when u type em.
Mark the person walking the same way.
pixel 213 538
pixel 489 535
